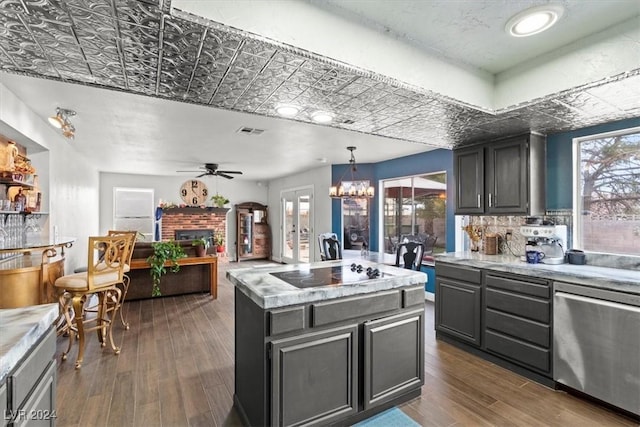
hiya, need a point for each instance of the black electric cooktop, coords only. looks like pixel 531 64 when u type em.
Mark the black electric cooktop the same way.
pixel 328 276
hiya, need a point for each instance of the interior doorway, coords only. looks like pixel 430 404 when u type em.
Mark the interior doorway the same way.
pixel 297 232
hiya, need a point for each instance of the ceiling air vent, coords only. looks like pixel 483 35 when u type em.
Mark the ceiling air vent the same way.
pixel 250 131
pixel 348 122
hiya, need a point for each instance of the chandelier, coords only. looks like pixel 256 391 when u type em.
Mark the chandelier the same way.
pixel 354 188
pixel 61 121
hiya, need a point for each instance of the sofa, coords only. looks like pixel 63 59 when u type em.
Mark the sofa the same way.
pixel 196 275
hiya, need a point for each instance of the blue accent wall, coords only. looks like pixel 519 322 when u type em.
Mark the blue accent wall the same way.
pixel 423 163
pixel 559 190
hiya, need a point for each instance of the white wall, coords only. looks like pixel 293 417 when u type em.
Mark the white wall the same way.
pixel 167 189
pixel 68 181
pixel 320 180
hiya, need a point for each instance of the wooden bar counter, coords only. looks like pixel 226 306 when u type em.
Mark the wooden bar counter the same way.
pixel 27 278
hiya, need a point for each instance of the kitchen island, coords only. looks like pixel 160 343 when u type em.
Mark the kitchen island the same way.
pixel 326 343
pixel 27 365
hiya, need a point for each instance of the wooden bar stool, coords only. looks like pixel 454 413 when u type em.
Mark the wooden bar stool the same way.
pixel 106 261
pixel 127 267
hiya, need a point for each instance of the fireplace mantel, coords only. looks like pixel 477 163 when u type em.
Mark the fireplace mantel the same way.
pixel 194 210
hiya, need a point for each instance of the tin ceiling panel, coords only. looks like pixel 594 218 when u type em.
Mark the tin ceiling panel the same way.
pixel 138 47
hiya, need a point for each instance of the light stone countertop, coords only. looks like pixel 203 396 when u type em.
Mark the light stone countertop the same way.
pixel 21 328
pixel 269 291
pixel 616 279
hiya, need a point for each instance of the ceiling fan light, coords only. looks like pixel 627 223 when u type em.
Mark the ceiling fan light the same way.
pixel 287 110
pixel 534 20
pixel 322 117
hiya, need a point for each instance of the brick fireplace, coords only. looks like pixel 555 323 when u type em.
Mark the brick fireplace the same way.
pixel 194 219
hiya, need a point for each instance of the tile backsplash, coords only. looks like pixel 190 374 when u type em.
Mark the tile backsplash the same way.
pixel 515 245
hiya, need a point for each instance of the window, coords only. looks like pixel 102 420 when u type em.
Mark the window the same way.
pixel 415 208
pixel 355 220
pixel 607 192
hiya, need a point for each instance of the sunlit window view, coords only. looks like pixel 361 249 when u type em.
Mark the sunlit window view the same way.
pixel 608 211
pixel 414 210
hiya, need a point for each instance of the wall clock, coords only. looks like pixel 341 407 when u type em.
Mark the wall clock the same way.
pixel 194 192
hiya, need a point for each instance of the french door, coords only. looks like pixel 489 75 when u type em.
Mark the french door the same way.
pixel 297 232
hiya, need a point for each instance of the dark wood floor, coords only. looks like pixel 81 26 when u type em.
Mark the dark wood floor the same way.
pixel 176 369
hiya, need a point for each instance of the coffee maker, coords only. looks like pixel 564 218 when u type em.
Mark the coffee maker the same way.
pixel 549 239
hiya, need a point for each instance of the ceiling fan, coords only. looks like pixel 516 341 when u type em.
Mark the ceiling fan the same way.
pixel 211 169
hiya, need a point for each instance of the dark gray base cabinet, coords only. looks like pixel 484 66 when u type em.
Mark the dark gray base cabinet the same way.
pixel 28 398
pixel 459 303
pixel 504 315
pixel 315 377
pixel 302 365
pixel 518 320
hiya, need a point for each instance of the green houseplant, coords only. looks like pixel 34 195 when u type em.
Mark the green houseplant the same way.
pixel 163 252
pixel 201 245
pixel 219 201
pixel 219 240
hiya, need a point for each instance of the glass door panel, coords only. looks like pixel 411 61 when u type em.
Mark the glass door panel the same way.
pixel 297 230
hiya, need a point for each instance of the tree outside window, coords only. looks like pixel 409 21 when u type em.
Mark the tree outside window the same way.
pixel 608 206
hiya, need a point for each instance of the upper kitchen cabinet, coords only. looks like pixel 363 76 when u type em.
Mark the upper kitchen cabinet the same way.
pixel 501 177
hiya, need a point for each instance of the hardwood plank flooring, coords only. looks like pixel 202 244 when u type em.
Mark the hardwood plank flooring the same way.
pixel 176 369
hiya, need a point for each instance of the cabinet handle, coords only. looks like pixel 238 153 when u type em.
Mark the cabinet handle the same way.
pixel 478 199
pixel 489 199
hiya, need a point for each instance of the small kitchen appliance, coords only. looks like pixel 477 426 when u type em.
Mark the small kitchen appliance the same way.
pixel 548 239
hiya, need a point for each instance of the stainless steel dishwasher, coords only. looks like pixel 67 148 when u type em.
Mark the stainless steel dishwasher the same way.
pixel 597 343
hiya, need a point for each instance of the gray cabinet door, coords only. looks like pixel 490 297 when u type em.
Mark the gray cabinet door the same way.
pixel 393 357
pixel 314 377
pixel 506 179
pixel 458 309
pixel 40 407
pixel 468 165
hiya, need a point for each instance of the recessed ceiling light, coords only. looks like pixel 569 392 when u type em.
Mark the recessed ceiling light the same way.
pixel 287 110
pixel 534 20
pixel 321 117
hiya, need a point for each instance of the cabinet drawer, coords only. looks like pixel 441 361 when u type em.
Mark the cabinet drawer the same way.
pixel 525 354
pixel 286 320
pixel 518 327
pixel 520 305
pixel 464 274
pixel 26 376
pixel 411 297
pixel 352 308
pixel 537 289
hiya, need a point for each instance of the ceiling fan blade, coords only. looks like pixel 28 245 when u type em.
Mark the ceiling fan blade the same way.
pixel 236 172
pixel 203 174
pixel 190 171
pixel 220 173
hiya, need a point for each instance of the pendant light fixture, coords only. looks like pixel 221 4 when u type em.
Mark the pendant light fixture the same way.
pixel 354 188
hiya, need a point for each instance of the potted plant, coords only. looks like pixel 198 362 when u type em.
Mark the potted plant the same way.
pixel 219 239
pixel 163 252
pixel 201 245
pixel 219 201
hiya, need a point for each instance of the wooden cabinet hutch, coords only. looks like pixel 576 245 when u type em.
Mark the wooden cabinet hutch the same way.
pixel 253 235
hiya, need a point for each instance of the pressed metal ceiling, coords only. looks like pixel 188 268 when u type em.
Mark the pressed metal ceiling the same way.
pixel 139 47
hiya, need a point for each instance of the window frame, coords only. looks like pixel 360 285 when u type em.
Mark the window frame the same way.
pixel 576 240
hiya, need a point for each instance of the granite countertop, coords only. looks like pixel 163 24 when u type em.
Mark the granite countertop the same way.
pixel 21 329
pixel 615 279
pixel 269 291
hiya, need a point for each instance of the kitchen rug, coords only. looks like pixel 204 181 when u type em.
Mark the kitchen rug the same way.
pixel 393 417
